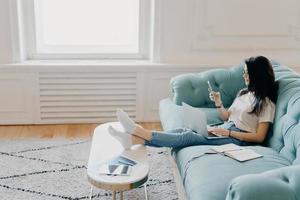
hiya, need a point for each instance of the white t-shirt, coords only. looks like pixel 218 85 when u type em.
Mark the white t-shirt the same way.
pixel 246 121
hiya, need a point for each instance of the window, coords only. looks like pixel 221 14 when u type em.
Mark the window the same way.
pixel 87 28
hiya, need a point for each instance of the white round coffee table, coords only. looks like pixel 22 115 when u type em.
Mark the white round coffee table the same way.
pixel 104 147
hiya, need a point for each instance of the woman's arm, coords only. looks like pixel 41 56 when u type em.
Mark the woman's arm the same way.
pixel 257 137
pixel 216 97
pixel 224 114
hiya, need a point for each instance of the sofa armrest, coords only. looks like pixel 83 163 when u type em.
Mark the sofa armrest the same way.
pixel 193 88
pixel 278 184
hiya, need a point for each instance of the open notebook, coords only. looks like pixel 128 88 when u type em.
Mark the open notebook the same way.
pixel 236 152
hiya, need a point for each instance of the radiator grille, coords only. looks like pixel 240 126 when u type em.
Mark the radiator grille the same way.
pixel 86 96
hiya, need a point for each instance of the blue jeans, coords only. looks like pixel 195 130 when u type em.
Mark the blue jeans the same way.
pixel 183 137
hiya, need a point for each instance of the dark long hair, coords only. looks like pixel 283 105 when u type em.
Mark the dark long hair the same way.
pixel 261 82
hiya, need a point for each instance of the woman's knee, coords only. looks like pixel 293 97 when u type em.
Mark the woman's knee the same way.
pixel 192 136
pixel 179 130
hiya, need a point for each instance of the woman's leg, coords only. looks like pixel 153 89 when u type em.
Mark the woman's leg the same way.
pixel 127 140
pixel 179 139
pixel 148 135
pixel 137 140
pixel 168 139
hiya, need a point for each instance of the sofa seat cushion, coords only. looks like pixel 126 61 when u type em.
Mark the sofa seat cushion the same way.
pixel 208 177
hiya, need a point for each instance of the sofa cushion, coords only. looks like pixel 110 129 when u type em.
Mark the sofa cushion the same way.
pixel 192 88
pixel 208 177
pixel 277 184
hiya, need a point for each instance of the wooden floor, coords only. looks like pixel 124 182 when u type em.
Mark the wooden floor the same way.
pixel 57 131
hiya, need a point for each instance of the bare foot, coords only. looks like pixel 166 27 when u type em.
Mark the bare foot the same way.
pixel 137 140
pixel 142 132
pixel 138 128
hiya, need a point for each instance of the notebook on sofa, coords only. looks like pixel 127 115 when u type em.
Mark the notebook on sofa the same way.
pixel 236 152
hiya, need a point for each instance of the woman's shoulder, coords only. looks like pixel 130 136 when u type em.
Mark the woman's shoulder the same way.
pixel 269 103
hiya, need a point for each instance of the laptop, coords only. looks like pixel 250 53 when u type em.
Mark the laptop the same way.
pixel 195 119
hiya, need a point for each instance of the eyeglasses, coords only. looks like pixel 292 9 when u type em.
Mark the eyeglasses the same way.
pixel 245 71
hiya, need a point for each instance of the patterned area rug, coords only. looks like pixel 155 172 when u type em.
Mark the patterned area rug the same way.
pixel 56 169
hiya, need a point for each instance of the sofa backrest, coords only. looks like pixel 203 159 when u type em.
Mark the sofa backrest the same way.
pixel 284 135
pixel 193 88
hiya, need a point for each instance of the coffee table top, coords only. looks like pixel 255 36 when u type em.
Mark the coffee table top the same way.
pixel 104 147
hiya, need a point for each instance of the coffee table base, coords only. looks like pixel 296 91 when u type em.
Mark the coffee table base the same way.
pixel 114 195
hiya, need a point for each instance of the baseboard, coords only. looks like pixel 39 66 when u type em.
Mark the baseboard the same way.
pixel 178 181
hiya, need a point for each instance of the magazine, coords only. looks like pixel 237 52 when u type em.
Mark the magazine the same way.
pixel 121 170
pixel 120 165
pixel 123 160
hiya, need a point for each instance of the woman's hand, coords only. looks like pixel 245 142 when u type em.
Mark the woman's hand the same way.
pixel 216 97
pixel 218 131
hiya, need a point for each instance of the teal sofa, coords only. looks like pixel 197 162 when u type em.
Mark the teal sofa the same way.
pixel 214 177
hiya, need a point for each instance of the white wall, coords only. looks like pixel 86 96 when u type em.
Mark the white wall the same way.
pixel 5 40
pixel 189 36
pixel 224 32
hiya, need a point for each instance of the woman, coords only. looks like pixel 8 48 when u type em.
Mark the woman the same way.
pixel 246 121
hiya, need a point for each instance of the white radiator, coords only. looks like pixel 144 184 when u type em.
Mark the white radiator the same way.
pixel 75 97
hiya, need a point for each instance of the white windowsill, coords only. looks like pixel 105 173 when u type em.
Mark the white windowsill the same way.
pixel 84 62
pixel 130 65
pixel 103 64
